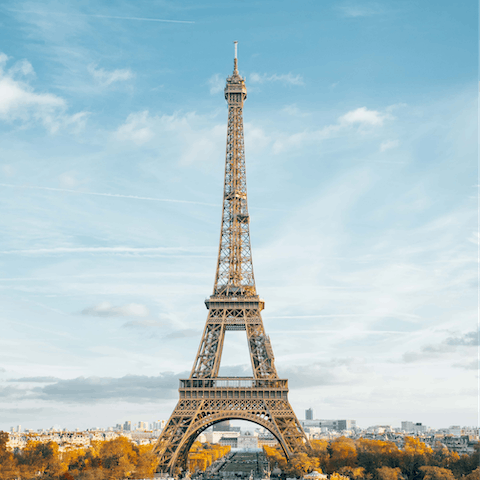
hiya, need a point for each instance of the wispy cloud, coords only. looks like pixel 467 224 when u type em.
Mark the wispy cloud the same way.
pixel 34 380
pixel 156 251
pixel 285 78
pixel 185 333
pixel 473 365
pixel 216 83
pixel 361 9
pixel 114 195
pixel 388 145
pixel 362 118
pixel 196 137
pixel 144 324
pixel 93 15
pixel 106 309
pixel 447 346
pixel 106 78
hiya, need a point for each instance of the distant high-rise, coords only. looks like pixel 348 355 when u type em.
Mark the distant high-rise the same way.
pixel 222 426
pixel 309 414
pixel 127 426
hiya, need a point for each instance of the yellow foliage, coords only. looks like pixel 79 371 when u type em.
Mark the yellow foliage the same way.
pixel 338 476
pixel 201 456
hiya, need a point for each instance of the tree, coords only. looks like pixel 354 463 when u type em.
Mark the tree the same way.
pixel 343 453
pixel 475 475
pixel 8 463
pixel 147 462
pixel 118 458
pixel 354 473
pixel 320 450
pixel 300 464
pixel 374 454
pixel 42 459
pixel 387 473
pixel 415 455
pixel 436 473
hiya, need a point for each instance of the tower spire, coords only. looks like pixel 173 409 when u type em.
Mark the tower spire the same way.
pixel 235 61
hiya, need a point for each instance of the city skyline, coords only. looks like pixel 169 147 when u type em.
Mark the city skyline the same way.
pixel 362 182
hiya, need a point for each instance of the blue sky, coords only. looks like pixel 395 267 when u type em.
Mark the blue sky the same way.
pixel 361 145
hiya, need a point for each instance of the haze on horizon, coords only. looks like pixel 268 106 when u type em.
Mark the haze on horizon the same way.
pixel 361 152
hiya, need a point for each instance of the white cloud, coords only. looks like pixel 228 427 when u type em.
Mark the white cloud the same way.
pixel 106 78
pixel 193 138
pixel 3 61
pixel 360 117
pixel 19 101
pixel 106 309
pixel 137 128
pixel 294 111
pixel 23 67
pixel 216 83
pixel 363 116
pixel 285 78
pixel 388 144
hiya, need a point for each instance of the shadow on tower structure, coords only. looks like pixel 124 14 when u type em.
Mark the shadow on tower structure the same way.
pixel 205 398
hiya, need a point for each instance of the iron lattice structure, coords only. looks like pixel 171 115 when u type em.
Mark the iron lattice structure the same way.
pixel 206 398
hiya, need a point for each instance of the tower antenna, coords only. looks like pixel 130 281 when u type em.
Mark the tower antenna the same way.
pixel 235 65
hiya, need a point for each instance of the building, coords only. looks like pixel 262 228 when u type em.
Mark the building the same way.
pixel 142 426
pixel 247 441
pixel 309 414
pixel 222 426
pixel 410 427
pixel 336 425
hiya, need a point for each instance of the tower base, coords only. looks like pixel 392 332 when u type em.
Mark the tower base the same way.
pixel 204 402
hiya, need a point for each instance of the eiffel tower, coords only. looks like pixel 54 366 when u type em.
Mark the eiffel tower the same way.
pixel 206 398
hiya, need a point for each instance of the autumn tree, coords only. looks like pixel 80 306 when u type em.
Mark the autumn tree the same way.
pixel 388 473
pixel 118 458
pixel 354 473
pixel 415 455
pixel 343 453
pixel 320 450
pixel 374 454
pixel 301 464
pixel 436 473
pixel 147 462
pixel 475 475
pixel 40 459
pixel 8 463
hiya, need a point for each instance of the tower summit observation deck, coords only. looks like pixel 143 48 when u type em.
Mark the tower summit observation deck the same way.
pixel 205 398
